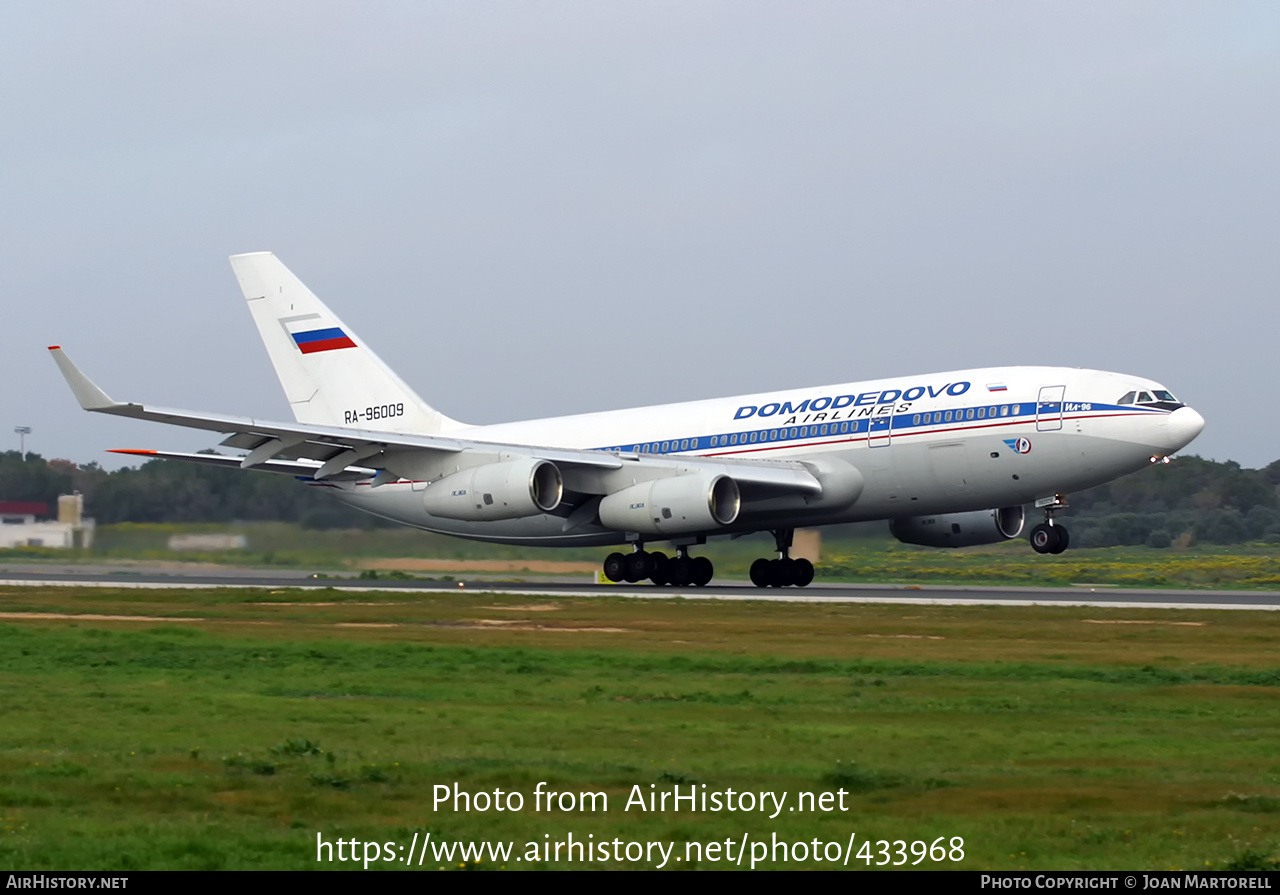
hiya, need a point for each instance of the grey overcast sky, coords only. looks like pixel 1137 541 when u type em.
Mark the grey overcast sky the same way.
pixel 531 209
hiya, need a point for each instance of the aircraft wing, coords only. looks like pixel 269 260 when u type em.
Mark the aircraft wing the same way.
pixel 334 453
pixel 297 468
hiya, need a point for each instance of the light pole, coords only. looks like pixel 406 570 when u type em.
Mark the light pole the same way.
pixel 23 432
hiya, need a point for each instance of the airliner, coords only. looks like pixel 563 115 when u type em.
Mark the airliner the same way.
pixel 948 459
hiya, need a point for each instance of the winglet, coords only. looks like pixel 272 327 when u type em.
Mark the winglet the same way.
pixel 89 395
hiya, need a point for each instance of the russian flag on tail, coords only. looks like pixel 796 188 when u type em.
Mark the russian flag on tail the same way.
pixel 322 340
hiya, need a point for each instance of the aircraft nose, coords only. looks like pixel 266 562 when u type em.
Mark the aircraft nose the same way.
pixel 1183 425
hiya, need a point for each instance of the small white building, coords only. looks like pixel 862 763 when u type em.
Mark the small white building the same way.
pixel 26 524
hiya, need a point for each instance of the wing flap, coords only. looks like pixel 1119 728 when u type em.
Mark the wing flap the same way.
pixel 297 468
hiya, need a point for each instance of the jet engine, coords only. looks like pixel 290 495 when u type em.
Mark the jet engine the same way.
pixel 960 529
pixel 510 490
pixel 676 505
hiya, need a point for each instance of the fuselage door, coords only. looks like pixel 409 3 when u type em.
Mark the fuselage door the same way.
pixel 880 430
pixel 1049 408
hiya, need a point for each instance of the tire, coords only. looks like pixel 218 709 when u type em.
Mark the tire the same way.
pixel 660 569
pixel 1064 538
pixel 615 567
pixel 680 571
pixel 760 572
pixel 779 572
pixel 804 573
pixel 1043 538
pixel 703 571
pixel 639 566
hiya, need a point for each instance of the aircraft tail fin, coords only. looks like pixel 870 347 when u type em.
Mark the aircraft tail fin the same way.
pixel 329 375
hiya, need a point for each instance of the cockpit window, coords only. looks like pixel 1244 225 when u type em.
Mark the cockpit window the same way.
pixel 1156 399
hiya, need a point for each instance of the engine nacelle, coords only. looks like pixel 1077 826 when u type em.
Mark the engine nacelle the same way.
pixel 676 505
pixel 960 529
pixel 510 490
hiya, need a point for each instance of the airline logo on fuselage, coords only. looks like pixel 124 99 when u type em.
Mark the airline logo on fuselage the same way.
pixel 869 403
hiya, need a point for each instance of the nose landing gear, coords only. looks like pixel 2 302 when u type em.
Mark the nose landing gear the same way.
pixel 1049 536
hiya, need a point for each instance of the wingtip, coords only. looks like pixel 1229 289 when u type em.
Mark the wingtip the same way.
pixel 87 393
pixel 132 451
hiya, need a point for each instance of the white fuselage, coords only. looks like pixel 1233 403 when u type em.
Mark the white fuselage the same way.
pixel 937 443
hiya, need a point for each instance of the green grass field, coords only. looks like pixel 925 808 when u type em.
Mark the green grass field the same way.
pixel 225 729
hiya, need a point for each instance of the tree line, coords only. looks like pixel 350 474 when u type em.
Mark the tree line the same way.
pixel 173 491
pixel 1191 500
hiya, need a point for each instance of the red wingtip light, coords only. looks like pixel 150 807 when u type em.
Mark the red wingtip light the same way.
pixel 55 347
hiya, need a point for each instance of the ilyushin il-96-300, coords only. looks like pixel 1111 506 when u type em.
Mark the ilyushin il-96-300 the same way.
pixel 949 459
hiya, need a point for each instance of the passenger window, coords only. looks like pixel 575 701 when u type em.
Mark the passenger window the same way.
pixel 733 439
pixel 844 428
pixel 1004 409
pixel 713 440
pixel 684 444
pixel 665 446
pixel 982 413
pixel 947 416
pixel 968 414
pixel 753 437
pixel 773 434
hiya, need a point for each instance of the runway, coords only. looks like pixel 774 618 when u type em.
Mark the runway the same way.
pixel 16 575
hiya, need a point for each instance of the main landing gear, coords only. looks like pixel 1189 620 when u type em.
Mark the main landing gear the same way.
pixel 1049 536
pixel 783 571
pixel 681 570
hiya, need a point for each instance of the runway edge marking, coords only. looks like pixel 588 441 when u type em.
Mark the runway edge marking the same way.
pixel 632 595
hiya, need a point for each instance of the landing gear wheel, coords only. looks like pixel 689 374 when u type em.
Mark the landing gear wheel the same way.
pixel 1045 537
pixel 780 572
pixel 680 571
pixel 703 571
pixel 803 573
pixel 1063 539
pixel 615 567
pixel 661 566
pixel 760 572
pixel 639 566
